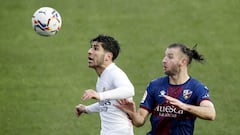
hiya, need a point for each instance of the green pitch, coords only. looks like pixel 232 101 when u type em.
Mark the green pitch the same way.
pixel 42 79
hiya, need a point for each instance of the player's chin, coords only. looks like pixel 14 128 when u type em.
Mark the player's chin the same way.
pixel 90 65
pixel 167 72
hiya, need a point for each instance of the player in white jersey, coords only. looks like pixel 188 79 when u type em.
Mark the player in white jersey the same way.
pixel 112 84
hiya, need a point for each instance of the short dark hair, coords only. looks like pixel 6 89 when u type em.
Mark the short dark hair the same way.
pixel 109 44
pixel 191 53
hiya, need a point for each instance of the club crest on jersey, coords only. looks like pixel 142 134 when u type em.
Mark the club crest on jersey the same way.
pixel 187 94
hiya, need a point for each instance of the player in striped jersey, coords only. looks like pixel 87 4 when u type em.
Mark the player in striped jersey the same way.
pixel 175 100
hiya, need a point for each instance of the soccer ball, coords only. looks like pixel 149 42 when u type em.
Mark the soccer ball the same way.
pixel 46 21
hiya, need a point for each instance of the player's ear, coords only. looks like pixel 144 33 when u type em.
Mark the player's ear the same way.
pixel 183 61
pixel 108 56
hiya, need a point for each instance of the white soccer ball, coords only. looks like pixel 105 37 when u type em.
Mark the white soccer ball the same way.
pixel 46 21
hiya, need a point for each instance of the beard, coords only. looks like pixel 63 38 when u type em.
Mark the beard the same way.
pixel 172 71
pixel 96 62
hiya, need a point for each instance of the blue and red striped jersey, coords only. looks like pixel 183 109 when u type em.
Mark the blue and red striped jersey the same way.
pixel 167 119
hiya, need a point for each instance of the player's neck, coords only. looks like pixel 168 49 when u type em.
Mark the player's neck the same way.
pixel 101 68
pixel 178 79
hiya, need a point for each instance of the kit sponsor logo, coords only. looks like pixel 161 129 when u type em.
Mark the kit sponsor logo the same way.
pixel 162 92
pixel 104 105
pixel 167 111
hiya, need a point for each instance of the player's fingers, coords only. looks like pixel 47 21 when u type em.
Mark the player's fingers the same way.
pixel 76 107
pixel 120 101
pixel 124 101
pixel 77 112
pixel 85 96
pixel 167 97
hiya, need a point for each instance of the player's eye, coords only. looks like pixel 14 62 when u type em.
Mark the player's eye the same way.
pixel 170 56
pixel 95 48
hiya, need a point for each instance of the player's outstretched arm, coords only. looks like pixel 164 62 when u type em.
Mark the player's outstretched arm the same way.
pixel 205 110
pixel 138 117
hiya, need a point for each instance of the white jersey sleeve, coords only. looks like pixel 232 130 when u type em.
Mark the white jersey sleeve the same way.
pixel 93 108
pixel 118 93
pixel 123 87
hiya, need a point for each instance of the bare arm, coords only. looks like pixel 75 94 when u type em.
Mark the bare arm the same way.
pixel 205 110
pixel 138 117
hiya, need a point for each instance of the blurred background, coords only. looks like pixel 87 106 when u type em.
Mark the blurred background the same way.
pixel 42 78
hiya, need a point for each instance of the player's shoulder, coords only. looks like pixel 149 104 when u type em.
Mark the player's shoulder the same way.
pixel 116 70
pixel 197 83
pixel 160 80
pixel 113 69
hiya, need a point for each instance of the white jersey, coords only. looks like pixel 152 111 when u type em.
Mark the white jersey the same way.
pixel 113 84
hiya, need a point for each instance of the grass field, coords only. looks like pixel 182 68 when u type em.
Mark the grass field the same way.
pixel 42 79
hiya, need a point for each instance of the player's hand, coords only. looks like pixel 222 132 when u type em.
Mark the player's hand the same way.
pixel 175 102
pixel 90 94
pixel 127 106
pixel 80 109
